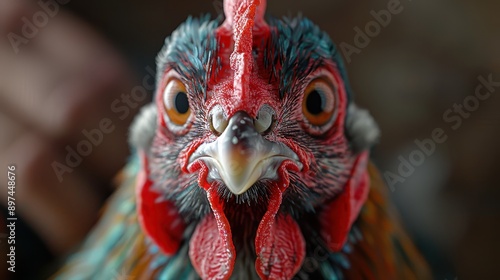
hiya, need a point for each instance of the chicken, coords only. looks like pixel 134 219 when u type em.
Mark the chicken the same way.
pixel 251 162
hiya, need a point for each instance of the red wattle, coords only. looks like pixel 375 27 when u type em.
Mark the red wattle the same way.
pixel 279 244
pixel 211 248
pixel 338 216
pixel 160 220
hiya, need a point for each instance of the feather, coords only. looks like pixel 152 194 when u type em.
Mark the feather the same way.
pixel 143 128
pixel 361 128
pixel 384 250
pixel 117 247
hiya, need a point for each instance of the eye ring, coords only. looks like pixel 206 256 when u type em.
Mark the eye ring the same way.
pixel 318 104
pixel 176 102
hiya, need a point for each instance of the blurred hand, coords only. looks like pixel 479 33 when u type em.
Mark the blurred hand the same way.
pixel 53 86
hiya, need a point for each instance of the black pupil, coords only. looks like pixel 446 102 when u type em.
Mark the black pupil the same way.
pixel 314 103
pixel 181 102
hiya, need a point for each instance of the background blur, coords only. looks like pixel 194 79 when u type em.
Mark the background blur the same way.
pixel 66 76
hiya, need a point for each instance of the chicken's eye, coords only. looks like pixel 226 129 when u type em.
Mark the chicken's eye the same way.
pixel 176 102
pixel 318 105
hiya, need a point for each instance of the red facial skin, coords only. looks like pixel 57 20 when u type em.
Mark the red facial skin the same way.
pixel 160 220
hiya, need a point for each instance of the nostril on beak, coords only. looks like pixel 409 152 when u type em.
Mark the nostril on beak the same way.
pixel 218 121
pixel 265 119
pixel 263 122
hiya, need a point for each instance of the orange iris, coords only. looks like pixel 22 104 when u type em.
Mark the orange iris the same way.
pixel 318 105
pixel 175 99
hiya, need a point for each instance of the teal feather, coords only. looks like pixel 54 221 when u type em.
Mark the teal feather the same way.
pixel 113 250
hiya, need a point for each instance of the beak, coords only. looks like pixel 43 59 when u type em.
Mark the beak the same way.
pixel 241 156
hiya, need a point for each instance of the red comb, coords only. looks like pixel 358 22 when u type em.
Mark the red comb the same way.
pixel 241 9
pixel 243 17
